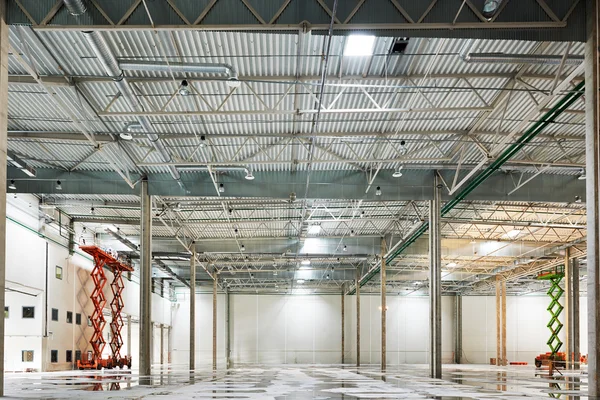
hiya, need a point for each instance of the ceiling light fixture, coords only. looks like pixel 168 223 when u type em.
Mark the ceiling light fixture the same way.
pixel 306 261
pixel 126 136
pixel 582 176
pixel 577 199
pixel 352 233
pixel 202 141
pixel 12 185
pixel 398 172
pixel 362 214
pixel 243 248
pixel 359 46
pixel 451 264
pixel 183 89
pixel 345 248
pixel 490 8
pixel 300 281
pixel 221 188
pixel 378 191
pixel 58 185
pixel 249 175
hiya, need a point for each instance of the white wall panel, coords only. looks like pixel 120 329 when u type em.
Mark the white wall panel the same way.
pixel 526 319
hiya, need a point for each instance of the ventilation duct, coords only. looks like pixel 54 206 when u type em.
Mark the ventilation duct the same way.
pixel 508 58
pixel 219 69
pixel 102 50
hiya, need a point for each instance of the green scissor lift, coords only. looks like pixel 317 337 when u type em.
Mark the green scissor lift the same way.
pixel 555 309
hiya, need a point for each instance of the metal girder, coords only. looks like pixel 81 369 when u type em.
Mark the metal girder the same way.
pixel 324 185
pixel 431 18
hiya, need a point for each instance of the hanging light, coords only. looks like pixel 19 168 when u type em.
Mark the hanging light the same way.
pixel 362 214
pixel 202 141
pixel 12 185
pixel 398 172
pixel 305 262
pixel 582 176
pixel 378 191
pixel 345 248
pixel 221 188
pixel 490 8
pixel 58 185
pixel 183 89
pixel 249 175
pixel 243 248
pixel 352 233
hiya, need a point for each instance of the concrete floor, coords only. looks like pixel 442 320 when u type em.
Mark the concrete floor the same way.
pixel 301 382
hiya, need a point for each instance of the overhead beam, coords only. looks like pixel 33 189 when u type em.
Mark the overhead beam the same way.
pixel 323 185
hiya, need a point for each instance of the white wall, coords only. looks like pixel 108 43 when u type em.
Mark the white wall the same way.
pixel 307 329
pixel 26 273
pixel 526 331
pixel 180 333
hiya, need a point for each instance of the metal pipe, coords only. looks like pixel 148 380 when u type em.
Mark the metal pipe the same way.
pixel 197 68
pixel 110 64
pixel 536 59
pixel 513 58
pixel 458 329
pixel 145 285
pixel 227 331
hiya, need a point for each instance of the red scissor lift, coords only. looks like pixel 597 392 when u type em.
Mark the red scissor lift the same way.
pixel 103 259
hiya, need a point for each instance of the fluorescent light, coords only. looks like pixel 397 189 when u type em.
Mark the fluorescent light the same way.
pixel 451 265
pixel 314 229
pixel 305 262
pixel 513 234
pixel 359 46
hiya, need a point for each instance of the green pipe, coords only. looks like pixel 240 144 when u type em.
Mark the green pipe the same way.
pixel 513 149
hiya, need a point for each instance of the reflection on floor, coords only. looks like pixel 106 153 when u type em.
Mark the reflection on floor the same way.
pixel 304 382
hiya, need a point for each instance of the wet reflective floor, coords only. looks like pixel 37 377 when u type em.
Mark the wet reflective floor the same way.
pixel 303 382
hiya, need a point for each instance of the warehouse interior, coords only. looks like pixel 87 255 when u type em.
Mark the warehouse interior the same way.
pixel 299 199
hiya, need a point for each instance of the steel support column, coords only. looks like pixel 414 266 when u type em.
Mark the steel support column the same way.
pixel 227 331
pixel 435 281
pixel 358 317
pixel 592 149
pixel 193 309
pixel 458 330
pixel 145 353
pixel 504 359
pixel 343 324
pixel 214 322
pixel 567 310
pixel 383 305
pixel 128 335
pixel 575 331
pixel 3 149
pixel 162 345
